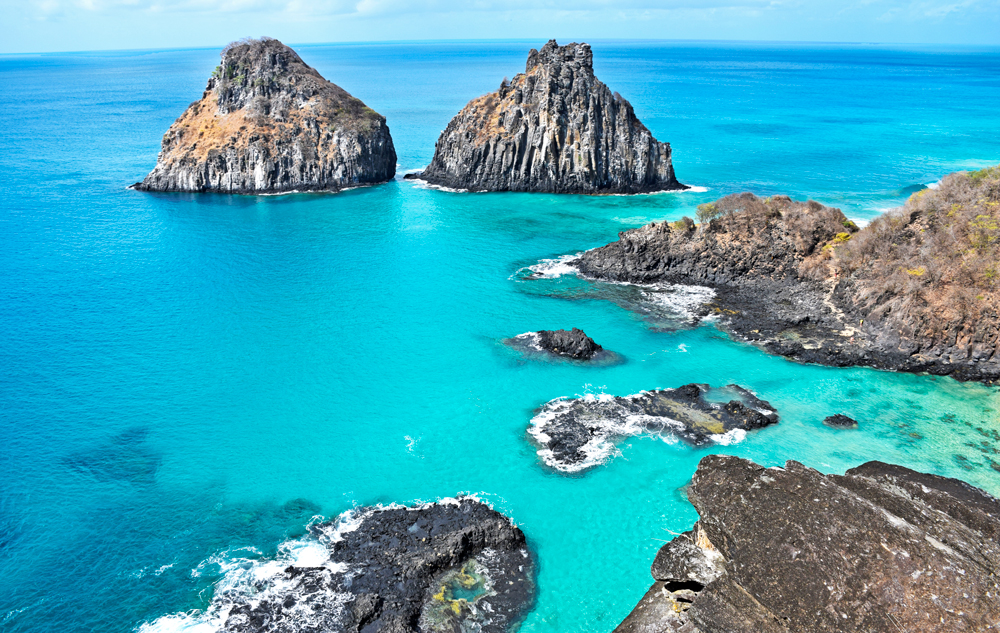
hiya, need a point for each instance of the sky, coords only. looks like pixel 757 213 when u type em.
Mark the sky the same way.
pixel 79 25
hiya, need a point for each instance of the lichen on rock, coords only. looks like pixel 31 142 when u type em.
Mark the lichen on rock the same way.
pixel 554 128
pixel 881 549
pixel 269 123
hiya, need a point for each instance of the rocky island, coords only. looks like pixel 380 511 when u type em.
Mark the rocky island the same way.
pixel 882 549
pixel 456 565
pixel 915 291
pixel 554 128
pixel 268 123
pixel 579 433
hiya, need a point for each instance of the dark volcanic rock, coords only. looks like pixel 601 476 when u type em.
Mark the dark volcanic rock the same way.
pixel 267 123
pixel 840 421
pixel 451 566
pixel 800 280
pixel 579 433
pixel 573 343
pixel 554 128
pixel 880 549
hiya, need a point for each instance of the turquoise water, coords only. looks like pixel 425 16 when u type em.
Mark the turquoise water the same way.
pixel 188 380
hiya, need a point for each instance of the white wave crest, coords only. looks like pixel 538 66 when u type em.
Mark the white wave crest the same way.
pixel 554 268
pixel 423 184
pixel 680 299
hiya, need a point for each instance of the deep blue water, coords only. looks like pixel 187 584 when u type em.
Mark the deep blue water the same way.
pixel 186 381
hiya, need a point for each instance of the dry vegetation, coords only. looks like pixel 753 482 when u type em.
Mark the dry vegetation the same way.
pixel 933 264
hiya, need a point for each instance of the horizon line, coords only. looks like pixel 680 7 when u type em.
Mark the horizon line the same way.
pixel 521 40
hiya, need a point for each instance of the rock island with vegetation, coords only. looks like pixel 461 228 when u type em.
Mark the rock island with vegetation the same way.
pixel 916 290
pixel 268 123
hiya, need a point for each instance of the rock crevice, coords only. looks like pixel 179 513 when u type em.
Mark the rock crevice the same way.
pixel 881 548
pixel 554 128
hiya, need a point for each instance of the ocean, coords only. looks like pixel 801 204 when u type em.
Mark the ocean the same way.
pixel 188 381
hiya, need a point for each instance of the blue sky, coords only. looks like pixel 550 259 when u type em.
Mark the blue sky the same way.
pixel 61 25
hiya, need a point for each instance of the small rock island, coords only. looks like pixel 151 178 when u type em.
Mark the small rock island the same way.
pixel 881 548
pixel 455 565
pixel 576 434
pixel 554 128
pixel 572 343
pixel 268 123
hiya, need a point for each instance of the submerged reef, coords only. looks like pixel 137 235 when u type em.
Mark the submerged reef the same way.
pixel 269 123
pixel 881 549
pixel 452 566
pixel 840 421
pixel 914 291
pixel 580 433
pixel 553 128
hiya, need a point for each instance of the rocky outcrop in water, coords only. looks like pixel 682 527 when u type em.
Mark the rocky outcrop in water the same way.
pixel 911 292
pixel 840 421
pixel 554 128
pixel 452 566
pixel 572 343
pixel 580 433
pixel 881 549
pixel 269 123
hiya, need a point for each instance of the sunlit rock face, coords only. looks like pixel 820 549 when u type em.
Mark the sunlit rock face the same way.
pixel 554 128
pixel 269 123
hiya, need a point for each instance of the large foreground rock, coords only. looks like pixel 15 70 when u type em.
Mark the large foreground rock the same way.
pixel 448 567
pixel 914 291
pixel 579 433
pixel 554 128
pixel 882 549
pixel 269 123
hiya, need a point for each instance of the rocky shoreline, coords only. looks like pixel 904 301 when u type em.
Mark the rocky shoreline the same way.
pixel 554 128
pixel 455 565
pixel 268 123
pixel 776 550
pixel 795 279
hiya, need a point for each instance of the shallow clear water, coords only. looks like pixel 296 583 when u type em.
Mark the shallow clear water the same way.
pixel 187 380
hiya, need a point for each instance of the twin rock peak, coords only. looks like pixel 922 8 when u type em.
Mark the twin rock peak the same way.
pixel 269 123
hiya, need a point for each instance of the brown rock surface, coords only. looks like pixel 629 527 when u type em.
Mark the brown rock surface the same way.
pixel 916 290
pixel 269 123
pixel 879 549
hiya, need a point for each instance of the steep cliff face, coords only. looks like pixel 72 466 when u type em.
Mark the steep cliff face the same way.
pixel 266 123
pixel 917 290
pixel 554 128
pixel 881 549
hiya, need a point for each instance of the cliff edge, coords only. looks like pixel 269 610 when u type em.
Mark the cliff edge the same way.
pixel 554 128
pixel 917 290
pixel 881 549
pixel 269 123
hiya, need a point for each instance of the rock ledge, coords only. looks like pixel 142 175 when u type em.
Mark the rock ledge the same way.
pixel 880 549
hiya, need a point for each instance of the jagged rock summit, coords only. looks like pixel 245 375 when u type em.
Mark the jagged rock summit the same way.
pixel 554 128
pixel 269 123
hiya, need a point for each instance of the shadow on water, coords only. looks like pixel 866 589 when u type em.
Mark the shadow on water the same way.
pixel 177 545
pixel 123 457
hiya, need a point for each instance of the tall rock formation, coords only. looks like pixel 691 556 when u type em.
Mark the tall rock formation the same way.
pixel 554 128
pixel 268 123
pixel 881 549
